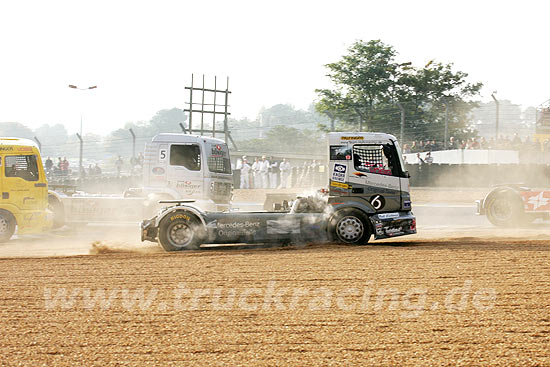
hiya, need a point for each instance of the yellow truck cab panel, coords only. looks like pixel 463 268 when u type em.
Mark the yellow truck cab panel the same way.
pixel 23 185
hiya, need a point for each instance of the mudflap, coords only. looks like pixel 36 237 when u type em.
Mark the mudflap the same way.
pixel 149 231
pixel 480 207
pixel 388 225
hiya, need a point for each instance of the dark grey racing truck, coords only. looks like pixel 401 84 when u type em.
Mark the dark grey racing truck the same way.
pixel 368 195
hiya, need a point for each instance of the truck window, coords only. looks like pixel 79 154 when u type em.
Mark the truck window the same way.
pixel 218 158
pixel 188 156
pixel 376 158
pixel 340 152
pixel 22 166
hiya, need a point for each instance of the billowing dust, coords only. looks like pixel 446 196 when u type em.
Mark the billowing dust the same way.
pixel 442 215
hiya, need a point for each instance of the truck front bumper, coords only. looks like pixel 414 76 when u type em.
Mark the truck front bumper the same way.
pixel 388 225
pixel 149 231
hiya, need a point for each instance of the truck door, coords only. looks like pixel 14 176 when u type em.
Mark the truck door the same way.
pixel 155 165
pixel 185 170
pixel 376 175
pixel 23 184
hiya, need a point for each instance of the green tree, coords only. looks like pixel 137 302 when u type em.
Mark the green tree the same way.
pixel 370 85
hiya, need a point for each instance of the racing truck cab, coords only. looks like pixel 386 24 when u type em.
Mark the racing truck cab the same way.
pixel 24 189
pixel 190 167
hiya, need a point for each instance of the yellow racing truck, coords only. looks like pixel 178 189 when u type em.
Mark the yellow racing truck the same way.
pixel 24 189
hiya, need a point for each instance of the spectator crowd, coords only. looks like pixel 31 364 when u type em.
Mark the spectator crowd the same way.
pixel 502 143
pixel 270 173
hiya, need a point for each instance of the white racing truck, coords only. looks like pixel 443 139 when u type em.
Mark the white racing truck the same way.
pixel 368 195
pixel 176 166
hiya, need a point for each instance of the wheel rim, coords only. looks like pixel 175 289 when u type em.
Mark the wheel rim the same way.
pixel 350 229
pixel 502 210
pixel 180 234
pixel 4 225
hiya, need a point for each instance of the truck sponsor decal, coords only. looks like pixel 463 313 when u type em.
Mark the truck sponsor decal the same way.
pixel 388 215
pixel 339 172
pixel 188 187
pixel 235 229
pixel 536 200
pixel 217 151
pixel 351 138
pixel 339 184
pixel 283 226
pixel 180 216
pixel 158 171
pixel 377 202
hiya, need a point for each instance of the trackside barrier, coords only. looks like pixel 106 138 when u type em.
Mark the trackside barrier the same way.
pixel 478 175
pixel 425 175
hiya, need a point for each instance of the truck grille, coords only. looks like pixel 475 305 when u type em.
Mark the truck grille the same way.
pixel 222 189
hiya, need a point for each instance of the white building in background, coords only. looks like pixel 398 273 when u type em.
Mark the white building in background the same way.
pixel 468 156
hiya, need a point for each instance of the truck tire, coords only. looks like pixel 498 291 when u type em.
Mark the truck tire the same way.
pixel 180 231
pixel 505 210
pixel 7 226
pixel 350 226
pixel 56 207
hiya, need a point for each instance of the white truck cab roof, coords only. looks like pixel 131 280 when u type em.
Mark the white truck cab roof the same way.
pixel 338 138
pixel 183 138
pixel 18 141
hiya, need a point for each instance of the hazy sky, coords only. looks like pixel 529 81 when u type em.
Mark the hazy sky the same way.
pixel 141 54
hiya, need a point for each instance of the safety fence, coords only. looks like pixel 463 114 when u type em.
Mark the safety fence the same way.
pixel 425 175
pixel 478 175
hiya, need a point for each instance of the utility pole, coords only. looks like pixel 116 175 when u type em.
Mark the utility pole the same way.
pixel 39 143
pixel 80 168
pixel 497 117
pixel 402 130
pixel 446 102
pixel 133 143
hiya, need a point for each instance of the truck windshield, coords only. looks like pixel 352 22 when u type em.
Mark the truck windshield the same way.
pixel 217 157
pixel 22 166
pixel 400 156
pixel 381 159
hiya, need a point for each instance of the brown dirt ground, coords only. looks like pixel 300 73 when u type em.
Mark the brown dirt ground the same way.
pixel 515 331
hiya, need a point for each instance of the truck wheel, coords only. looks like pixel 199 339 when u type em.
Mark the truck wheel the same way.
pixel 350 226
pixel 180 232
pixel 7 226
pixel 505 210
pixel 55 206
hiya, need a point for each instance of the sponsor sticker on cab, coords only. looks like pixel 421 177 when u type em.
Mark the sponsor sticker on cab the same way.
pixel 339 185
pixel 339 173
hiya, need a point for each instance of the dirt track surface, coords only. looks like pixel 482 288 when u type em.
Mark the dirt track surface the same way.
pixel 486 303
